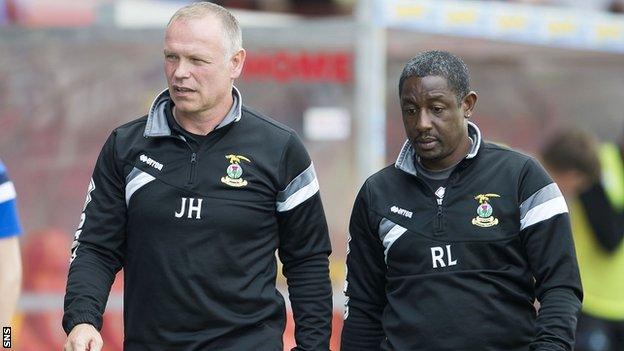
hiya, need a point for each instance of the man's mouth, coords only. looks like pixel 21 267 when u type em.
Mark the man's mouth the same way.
pixel 181 89
pixel 426 143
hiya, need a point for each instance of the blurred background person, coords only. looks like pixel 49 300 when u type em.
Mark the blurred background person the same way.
pixel 601 220
pixel 596 201
pixel 10 261
pixel 571 157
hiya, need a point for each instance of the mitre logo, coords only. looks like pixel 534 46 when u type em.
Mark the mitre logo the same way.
pixel 151 162
pixel 400 211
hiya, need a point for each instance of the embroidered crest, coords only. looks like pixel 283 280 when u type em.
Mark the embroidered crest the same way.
pixel 235 171
pixel 484 211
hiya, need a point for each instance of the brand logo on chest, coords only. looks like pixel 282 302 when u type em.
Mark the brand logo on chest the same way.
pixel 151 162
pixel 401 211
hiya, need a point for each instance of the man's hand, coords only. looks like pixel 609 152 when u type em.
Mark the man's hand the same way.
pixel 83 337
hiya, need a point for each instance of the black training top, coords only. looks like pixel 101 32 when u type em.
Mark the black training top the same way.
pixel 195 226
pixel 462 273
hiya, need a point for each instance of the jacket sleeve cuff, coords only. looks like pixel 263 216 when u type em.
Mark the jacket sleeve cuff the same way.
pixel 543 346
pixel 82 317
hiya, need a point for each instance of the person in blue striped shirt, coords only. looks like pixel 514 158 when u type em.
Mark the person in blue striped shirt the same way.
pixel 10 258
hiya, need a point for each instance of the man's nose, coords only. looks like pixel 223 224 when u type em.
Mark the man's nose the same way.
pixel 423 122
pixel 183 70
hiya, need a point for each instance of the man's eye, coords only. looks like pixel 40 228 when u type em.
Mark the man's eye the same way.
pixel 437 109
pixel 410 111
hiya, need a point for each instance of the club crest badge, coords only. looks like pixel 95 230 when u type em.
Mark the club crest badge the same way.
pixel 484 211
pixel 235 171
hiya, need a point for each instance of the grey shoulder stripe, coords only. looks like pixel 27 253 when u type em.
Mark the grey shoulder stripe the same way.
pixel 303 187
pixel 133 174
pixel 542 205
pixel 135 180
pixel 384 227
pixel 389 232
pixel 546 193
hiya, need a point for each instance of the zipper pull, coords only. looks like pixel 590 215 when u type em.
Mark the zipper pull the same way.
pixel 439 220
pixel 192 171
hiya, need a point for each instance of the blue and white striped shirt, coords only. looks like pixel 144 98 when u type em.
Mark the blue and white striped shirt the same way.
pixel 9 223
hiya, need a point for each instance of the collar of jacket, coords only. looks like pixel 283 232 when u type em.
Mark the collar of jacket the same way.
pixel 405 161
pixel 157 125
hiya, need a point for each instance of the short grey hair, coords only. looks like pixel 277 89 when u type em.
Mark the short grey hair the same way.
pixel 439 63
pixel 229 23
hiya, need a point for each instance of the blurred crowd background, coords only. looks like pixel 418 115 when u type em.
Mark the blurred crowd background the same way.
pixel 71 71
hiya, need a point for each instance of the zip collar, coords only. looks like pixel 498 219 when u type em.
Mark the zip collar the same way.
pixel 157 125
pixel 407 156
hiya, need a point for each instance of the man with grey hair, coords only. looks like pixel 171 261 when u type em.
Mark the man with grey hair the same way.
pixel 450 246
pixel 192 201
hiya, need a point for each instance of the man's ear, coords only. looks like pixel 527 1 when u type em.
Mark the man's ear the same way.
pixel 236 63
pixel 468 103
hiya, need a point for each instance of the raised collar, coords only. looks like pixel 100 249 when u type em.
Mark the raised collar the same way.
pixel 407 156
pixel 157 125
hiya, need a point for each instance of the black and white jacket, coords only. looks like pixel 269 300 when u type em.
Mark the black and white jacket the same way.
pixel 195 228
pixel 461 273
